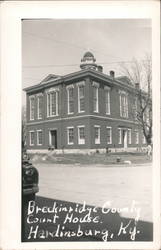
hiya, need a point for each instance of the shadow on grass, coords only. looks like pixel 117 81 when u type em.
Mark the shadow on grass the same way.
pixel 67 221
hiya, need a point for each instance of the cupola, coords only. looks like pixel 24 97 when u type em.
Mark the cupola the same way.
pixel 88 61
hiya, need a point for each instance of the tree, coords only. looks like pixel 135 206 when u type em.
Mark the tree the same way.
pixel 140 75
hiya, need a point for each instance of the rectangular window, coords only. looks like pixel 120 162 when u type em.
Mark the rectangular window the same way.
pixel 126 106
pixel 95 98
pixel 81 98
pixel 123 104
pixel 97 134
pixel 107 101
pixel 70 92
pixel 109 135
pixel 32 107
pixel 119 136
pixel 81 135
pixel 39 137
pixel 135 107
pixel 32 137
pixel 52 103
pixel 129 136
pixel 39 106
pixel 143 139
pixel 136 137
pixel 120 105
pixel 147 115
pixel 70 134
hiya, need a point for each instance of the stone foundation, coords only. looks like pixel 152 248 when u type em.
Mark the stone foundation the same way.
pixel 85 151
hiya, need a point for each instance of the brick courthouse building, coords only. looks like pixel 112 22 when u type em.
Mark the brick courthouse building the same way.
pixel 85 110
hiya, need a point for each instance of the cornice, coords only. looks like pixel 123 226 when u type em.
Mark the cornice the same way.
pixel 77 76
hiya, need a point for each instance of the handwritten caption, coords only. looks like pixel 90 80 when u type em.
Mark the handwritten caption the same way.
pixel 64 221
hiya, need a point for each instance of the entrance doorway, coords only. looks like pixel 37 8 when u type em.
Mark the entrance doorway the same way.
pixel 53 138
pixel 125 138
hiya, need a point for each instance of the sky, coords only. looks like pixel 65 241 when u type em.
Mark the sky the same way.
pixel 56 46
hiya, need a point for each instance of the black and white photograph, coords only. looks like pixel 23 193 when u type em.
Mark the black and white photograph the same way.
pixel 87 130
pixel 85 111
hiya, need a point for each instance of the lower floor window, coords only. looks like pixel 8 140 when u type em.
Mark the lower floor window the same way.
pixel 39 137
pixel 70 134
pixel 32 137
pixel 143 139
pixel 136 137
pixel 119 136
pixel 109 135
pixel 129 136
pixel 81 135
pixel 97 134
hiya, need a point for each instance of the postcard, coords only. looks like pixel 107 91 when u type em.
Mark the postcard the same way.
pixel 80 125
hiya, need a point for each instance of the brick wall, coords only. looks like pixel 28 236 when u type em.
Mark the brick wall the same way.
pixel 88 118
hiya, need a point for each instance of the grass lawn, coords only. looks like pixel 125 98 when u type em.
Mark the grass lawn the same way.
pixel 78 159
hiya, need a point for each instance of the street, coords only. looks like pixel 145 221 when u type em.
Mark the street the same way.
pixel 97 185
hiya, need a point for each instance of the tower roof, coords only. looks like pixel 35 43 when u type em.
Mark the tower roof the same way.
pixel 88 54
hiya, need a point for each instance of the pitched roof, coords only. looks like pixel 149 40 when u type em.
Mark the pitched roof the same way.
pixel 50 77
pixel 124 79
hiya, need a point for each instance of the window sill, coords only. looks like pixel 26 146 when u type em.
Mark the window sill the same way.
pixel 81 111
pixel 124 117
pixel 52 116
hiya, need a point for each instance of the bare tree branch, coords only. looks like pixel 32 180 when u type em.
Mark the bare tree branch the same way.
pixel 141 72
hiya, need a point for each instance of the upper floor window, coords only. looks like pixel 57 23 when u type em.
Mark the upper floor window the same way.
pixel 39 137
pixel 70 96
pixel 107 100
pixel 81 134
pixel 39 106
pixel 109 135
pixel 135 107
pixel 95 96
pixel 123 104
pixel 32 107
pixel 70 135
pixel 97 134
pixel 81 97
pixel 31 137
pixel 52 103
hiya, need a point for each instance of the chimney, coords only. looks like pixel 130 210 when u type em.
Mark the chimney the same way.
pixel 100 68
pixel 137 85
pixel 112 73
